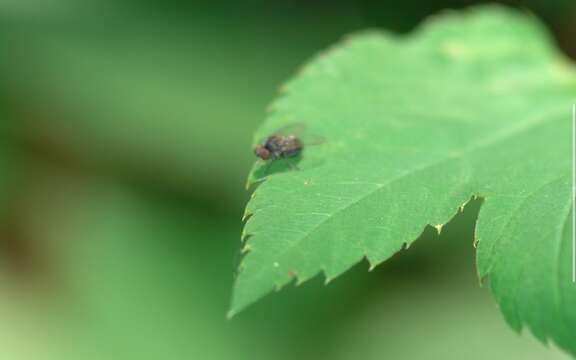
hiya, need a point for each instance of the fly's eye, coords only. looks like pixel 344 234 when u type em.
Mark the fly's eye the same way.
pixel 262 153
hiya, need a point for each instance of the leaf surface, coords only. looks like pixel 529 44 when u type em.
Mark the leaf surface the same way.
pixel 471 104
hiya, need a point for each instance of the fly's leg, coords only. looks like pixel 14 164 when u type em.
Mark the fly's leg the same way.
pixel 290 163
pixel 267 168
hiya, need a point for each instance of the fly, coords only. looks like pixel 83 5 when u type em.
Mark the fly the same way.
pixel 283 145
pixel 279 147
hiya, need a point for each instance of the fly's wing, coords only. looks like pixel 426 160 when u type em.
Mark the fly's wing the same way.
pixel 299 130
pixel 313 140
pixel 295 129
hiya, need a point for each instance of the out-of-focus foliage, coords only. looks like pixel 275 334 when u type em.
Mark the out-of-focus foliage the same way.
pixel 171 96
pixel 464 319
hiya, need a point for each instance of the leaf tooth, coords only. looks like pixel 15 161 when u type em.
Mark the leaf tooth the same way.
pixel 483 279
pixel 245 236
pixel 246 248
pixel 247 214
pixel 249 182
pixel 438 228
pixel 300 280
pixel 371 265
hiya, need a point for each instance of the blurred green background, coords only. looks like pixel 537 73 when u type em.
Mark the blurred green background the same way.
pixel 125 135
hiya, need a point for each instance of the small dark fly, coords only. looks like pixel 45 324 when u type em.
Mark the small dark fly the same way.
pixel 279 147
pixel 284 144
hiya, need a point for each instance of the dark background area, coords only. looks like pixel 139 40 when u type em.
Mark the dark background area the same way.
pixel 125 139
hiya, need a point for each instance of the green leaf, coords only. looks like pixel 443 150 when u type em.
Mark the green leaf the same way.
pixel 472 104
